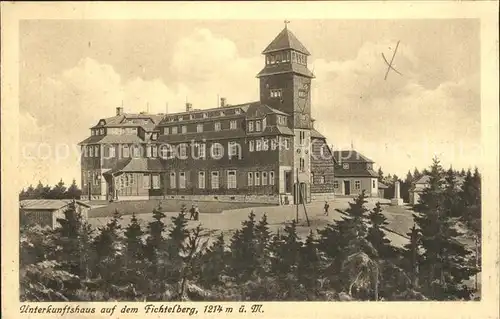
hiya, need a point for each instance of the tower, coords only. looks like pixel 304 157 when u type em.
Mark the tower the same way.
pixel 285 80
pixel 285 84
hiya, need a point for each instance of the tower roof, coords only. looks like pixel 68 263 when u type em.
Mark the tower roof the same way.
pixel 286 40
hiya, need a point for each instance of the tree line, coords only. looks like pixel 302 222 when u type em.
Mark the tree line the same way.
pixel 58 191
pixel 348 259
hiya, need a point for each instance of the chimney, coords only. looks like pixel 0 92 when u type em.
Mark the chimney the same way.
pixel 119 110
pixel 189 107
pixel 222 102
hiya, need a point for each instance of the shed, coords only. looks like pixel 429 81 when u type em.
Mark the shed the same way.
pixel 382 189
pixel 45 212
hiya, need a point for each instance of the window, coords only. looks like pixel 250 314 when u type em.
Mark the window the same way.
pixel 136 151
pixel 200 150
pixel 85 151
pixel 336 184
pixel 302 164
pixel 265 145
pixel 258 145
pixel 257 126
pixel 172 180
pixel 91 150
pixel 174 129
pixel 166 130
pixel 155 151
pixel 345 166
pixel 112 151
pixel 237 111
pixel 281 120
pixel 146 182
pixel 217 150
pixel 154 136
pixel 156 181
pixel 271 178
pixel 215 180
pixel 302 136
pixel 250 126
pixel 264 178
pixel 165 151
pixel 275 93
pixel 232 125
pixel 373 184
pixel 199 128
pixel 257 179
pixel 274 144
pixel 97 151
pixel 287 143
pixel 234 149
pixel 149 151
pixel 302 93
pixel 182 180
pixel 205 115
pixel 312 178
pixel 101 131
pixel 184 129
pixel 250 179
pixel 183 151
pixel 126 151
pixel 321 180
pixel 217 126
pixel 251 146
pixel 357 184
pixel 231 179
pixel 201 179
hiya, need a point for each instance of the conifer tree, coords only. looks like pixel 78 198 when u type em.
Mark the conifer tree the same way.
pixel 133 240
pixel 155 241
pixel 215 259
pixel 263 237
pixel 380 174
pixel 73 192
pixel 451 198
pixel 443 266
pixel 376 235
pixel 243 246
pixel 58 191
pixel 108 246
pixel 310 267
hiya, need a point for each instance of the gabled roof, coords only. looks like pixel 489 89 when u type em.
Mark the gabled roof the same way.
pixel 121 120
pixel 350 156
pixel 47 204
pixel 423 180
pixel 286 40
pixel 138 165
pixel 339 172
pixel 317 134
pixel 258 110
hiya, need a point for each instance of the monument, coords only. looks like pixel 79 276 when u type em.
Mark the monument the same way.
pixel 397 200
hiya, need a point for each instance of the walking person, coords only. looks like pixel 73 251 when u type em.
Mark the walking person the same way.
pixel 327 206
pixel 192 212
pixel 196 213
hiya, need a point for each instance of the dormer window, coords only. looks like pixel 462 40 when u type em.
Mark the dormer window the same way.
pixel 154 136
pixel 174 130
pixel 184 129
pixel 250 126
pixel 102 131
pixel 275 93
pixel 205 115
pixel 345 166
pixel 237 111
pixel 166 130
pixel 217 126
pixel 257 126
pixel 93 132
pixel 221 113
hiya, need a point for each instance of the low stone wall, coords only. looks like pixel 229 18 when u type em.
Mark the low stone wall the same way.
pixel 260 199
pixel 318 197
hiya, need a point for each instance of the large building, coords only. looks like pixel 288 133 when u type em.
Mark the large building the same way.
pixel 265 151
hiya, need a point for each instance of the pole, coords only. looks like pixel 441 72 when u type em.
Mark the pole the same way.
pixel 305 210
pixel 296 195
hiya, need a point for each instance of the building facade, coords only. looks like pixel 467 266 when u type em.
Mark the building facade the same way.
pixel 265 151
pixel 353 174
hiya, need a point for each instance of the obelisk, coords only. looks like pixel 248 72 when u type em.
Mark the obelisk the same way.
pixel 397 200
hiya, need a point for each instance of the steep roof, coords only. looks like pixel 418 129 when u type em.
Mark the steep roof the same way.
pixel 47 204
pixel 112 139
pixel 423 180
pixel 339 172
pixel 350 156
pixel 286 40
pixel 138 165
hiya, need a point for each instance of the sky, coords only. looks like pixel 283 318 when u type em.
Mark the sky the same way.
pixel 74 72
